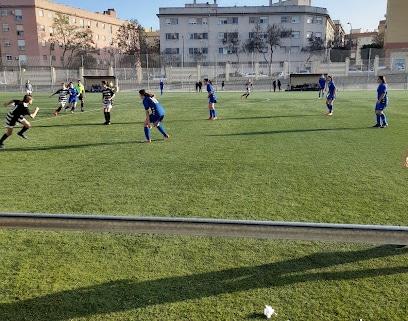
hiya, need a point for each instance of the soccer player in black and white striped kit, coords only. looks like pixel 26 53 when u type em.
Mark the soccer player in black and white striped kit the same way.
pixel 107 97
pixel 16 115
pixel 63 94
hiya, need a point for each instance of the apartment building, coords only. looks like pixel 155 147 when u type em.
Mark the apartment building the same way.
pixel 27 29
pixel 202 28
pixel 396 37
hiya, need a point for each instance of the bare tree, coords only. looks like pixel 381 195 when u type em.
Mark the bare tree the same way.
pixel 74 41
pixel 264 41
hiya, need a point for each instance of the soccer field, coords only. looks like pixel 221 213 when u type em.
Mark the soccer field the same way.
pixel 273 157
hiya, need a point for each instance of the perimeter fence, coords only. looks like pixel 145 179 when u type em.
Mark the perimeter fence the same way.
pixel 182 72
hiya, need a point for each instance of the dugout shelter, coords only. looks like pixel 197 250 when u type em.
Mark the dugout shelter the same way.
pixel 304 82
pixel 94 83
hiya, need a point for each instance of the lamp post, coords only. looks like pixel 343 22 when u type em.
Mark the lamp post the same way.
pixel 182 66
pixel 351 41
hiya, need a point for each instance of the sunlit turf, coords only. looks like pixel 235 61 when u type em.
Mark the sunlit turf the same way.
pixel 274 156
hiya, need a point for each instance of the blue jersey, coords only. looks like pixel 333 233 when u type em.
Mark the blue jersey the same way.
pixel 322 82
pixel 381 89
pixel 332 90
pixel 73 95
pixel 211 93
pixel 154 105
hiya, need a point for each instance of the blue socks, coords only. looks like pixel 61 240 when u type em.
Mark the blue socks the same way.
pixel 161 129
pixel 147 132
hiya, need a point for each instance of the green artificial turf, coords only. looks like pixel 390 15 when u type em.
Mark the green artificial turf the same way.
pixel 272 157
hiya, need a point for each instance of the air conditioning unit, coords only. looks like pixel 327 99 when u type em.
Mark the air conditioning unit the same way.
pixel 12 12
pixel 15 58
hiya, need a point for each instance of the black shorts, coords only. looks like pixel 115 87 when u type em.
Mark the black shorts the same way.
pixel 80 97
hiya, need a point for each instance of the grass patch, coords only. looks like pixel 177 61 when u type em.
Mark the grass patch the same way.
pixel 275 156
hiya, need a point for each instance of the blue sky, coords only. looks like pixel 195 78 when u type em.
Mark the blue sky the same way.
pixel 363 14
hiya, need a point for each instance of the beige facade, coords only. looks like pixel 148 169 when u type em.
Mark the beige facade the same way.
pixel 396 35
pixel 27 29
pixel 201 28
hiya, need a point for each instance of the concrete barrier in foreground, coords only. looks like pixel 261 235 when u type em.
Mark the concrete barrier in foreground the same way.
pixel 353 233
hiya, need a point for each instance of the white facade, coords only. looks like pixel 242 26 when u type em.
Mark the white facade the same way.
pixel 200 28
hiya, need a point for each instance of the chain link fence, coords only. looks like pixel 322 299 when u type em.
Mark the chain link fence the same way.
pixel 352 70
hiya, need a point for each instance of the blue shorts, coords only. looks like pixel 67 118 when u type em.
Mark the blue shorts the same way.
pixel 380 106
pixel 73 100
pixel 331 97
pixel 155 118
pixel 212 100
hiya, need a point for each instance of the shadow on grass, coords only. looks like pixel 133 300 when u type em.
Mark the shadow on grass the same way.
pixel 289 131
pixel 123 295
pixel 25 149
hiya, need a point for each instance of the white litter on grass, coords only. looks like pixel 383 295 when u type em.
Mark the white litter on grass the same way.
pixel 269 311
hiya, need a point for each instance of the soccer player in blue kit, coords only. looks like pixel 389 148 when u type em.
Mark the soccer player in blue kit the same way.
pixel 212 99
pixel 381 103
pixel 154 117
pixel 322 86
pixel 331 95
pixel 73 97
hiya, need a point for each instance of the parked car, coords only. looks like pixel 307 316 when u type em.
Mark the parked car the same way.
pixel 252 74
pixel 352 69
pixel 158 78
pixel 278 74
pixel 303 72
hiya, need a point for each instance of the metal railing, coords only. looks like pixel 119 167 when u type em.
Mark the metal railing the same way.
pixel 353 233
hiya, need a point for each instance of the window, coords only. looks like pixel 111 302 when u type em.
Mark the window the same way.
pixel 110 29
pixel 42 28
pixel 204 21
pixel 96 24
pixel 9 58
pixel 172 36
pixel 21 44
pixel 49 15
pixel 51 31
pixel 192 21
pixel 20 30
pixel 309 20
pixel 172 51
pixel 3 12
pixel 264 20
pixel 222 51
pixel 43 43
pixel 318 35
pixel 282 49
pixel 295 34
pixel 18 13
pixel 45 58
pixel 73 20
pixel 222 35
pixel 234 20
pixel 222 21
pixel 309 34
pixel 252 20
pixel 40 13
pixel 96 37
pixel 103 38
pixel 296 19
pixel 6 27
pixel 319 20
pixel 81 23
pixel 103 26
pixel 284 19
pixel 7 43
pixel 294 50
pixel 171 21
